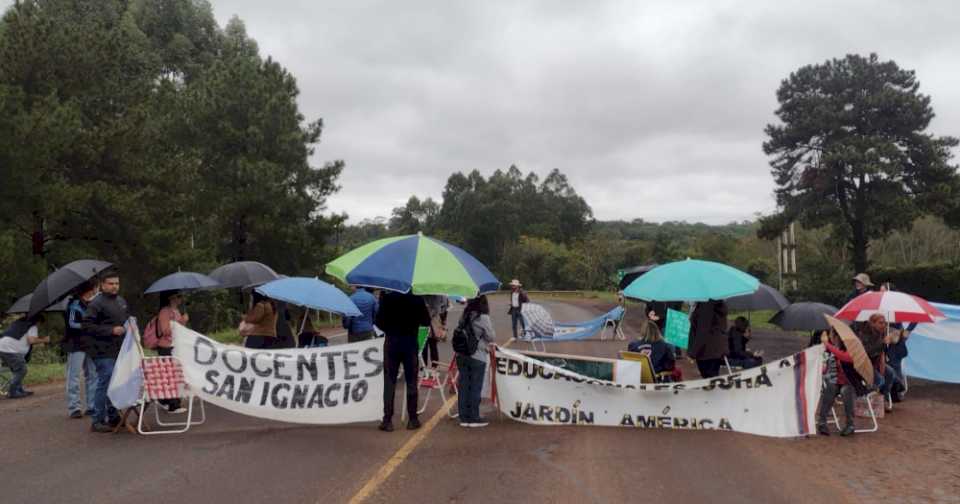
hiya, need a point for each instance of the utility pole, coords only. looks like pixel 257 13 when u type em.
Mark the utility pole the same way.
pixel 787 257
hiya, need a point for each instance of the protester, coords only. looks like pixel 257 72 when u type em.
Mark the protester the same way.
pixel 309 337
pixel 400 317
pixel 896 351
pixel 738 338
pixel 103 325
pixel 169 314
pixel 861 285
pixel 361 328
pixel 15 343
pixel 708 337
pixel 874 336
pixel 285 337
pixel 471 368
pixel 259 325
pixel 652 344
pixel 438 307
pixel 517 299
pixel 840 378
pixel 78 362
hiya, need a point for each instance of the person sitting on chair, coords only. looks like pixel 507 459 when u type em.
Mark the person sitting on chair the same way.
pixel 738 336
pixel 839 378
pixel 652 344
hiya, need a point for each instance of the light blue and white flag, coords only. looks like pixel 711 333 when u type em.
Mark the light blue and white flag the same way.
pixel 126 384
pixel 934 349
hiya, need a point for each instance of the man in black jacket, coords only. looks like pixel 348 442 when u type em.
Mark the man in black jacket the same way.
pixel 400 318
pixel 103 325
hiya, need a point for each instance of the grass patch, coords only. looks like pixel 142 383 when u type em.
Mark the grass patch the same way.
pixel 759 319
pixel 229 336
pixel 39 374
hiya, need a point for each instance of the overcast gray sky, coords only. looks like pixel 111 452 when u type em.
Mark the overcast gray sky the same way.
pixel 654 110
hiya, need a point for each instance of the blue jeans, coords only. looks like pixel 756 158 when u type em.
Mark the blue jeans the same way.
pixel 517 318
pixel 18 370
pixel 745 362
pixel 469 387
pixel 897 364
pixel 78 363
pixel 886 380
pixel 103 410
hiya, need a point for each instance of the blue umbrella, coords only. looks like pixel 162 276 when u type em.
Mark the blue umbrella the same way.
pixel 310 293
pixel 692 280
pixel 182 281
pixel 417 264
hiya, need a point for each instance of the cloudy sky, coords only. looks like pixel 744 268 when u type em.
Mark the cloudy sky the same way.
pixel 654 110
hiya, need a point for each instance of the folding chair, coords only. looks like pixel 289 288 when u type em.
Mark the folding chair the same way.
pixel 617 325
pixel 730 369
pixel 646 367
pixel 873 414
pixel 430 378
pixel 530 337
pixel 163 379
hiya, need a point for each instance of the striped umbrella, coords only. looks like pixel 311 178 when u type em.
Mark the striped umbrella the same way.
pixel 537 321
pixel 414 263
pixel 895 306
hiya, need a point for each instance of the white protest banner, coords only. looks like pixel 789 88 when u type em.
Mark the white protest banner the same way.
pixel 328 385
pixel 777 399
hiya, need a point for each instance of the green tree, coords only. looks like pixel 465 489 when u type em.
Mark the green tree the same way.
pixel 255 187
pixel 852 150
pixel 416 216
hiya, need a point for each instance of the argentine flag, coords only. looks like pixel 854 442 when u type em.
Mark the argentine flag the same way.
pixel 934 349
pixel 126 384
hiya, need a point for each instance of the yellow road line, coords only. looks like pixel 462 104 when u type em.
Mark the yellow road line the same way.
pixel 398 458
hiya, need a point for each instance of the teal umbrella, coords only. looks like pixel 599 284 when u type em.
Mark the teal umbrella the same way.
pixel 691 280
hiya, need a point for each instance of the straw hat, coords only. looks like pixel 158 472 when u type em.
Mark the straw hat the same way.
pixel 515 283
pixel 864 279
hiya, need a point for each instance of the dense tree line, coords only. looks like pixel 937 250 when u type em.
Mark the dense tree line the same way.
pixel 143 133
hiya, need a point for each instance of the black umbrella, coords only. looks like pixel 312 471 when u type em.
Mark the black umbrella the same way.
pixel 243 274
pixel 182 281
pixel 59 283
pixel 803 317
pixel 765 298
pixel 23 306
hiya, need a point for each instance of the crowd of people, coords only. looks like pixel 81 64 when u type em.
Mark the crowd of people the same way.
pixel 713 343
pixel 95 324
pixel 96 315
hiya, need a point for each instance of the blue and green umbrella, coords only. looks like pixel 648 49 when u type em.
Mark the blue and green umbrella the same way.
pixel 417 264
pixel 692 280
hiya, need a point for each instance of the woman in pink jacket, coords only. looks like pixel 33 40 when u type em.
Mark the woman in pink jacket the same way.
pixel 168 314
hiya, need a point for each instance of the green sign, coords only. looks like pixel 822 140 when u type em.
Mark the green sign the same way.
pixel 677 329
pixel 599 368
pixel 422 334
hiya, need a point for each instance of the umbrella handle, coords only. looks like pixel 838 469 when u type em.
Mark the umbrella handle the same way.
pixel 303 324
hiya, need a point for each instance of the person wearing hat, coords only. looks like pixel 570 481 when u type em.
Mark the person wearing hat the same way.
pixel 517 298
pixel 861 284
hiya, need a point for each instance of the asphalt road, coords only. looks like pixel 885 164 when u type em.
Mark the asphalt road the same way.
pixel 46 458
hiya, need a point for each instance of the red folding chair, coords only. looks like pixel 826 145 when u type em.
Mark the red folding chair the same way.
pixel 163 379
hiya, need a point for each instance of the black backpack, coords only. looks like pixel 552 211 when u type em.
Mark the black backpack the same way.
pixel 464 341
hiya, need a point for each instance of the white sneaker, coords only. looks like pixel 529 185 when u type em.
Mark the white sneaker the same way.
pixel 465 424
pixel 179 411
pixel 479 423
